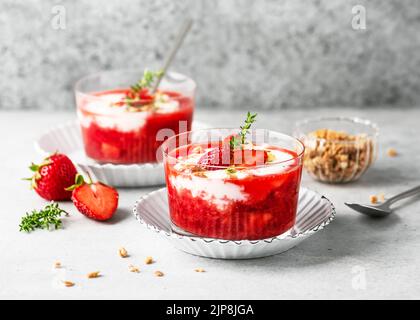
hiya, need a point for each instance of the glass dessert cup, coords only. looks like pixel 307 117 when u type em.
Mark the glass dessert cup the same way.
pixel 338 149
pixel 114 132
pixel 232 202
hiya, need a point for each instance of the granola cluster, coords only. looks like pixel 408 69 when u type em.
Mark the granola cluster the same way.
pixel 336 156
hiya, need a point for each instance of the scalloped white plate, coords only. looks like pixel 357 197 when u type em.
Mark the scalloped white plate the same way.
pixel 67 139
pixel 313 214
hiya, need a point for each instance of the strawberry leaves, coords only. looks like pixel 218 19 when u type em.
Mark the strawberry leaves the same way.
pixel 79 181
pixel 36 168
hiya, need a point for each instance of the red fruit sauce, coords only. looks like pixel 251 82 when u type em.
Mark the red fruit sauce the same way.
pixel 254 203
pixel 107 140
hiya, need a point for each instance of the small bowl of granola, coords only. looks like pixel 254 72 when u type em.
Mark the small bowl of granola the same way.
pixel 338 149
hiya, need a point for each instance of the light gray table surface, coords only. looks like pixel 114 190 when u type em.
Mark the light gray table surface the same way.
pixel 354 257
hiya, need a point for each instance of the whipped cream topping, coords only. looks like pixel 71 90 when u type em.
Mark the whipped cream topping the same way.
pixel 164 104
pixel 107 115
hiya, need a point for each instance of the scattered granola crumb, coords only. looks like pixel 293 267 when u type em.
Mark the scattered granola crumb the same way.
pixel 159 274
pixel 200 174
pixel 391 152
pixel 68 283
pixel 200 270
pixel 373 199
pixel 148 260
pixel 123 253
pixel 132 268
pixel 95 274
pixel 57 265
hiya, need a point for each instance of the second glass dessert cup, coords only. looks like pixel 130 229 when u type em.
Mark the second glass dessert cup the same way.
pixel 232 201
pixel 115 131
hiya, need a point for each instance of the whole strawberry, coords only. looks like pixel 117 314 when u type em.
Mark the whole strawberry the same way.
pixel 95 200
pixel 53 176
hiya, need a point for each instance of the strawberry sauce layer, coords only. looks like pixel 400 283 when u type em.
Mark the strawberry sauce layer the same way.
pixel 117 134
pixel 253 202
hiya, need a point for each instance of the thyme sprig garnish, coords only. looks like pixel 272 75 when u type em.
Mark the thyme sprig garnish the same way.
pixel 146 82
pixel 48 217
pixel 236 141
pixel 139 97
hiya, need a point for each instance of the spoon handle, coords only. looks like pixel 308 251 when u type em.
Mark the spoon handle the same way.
pixel 405 194
pixel 178 42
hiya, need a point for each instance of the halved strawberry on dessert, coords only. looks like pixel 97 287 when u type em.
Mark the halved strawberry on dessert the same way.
pixel 234 150
pixel 217 158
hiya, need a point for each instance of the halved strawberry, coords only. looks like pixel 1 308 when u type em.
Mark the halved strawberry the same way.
pixel 139 98
pixel 53 176
pixel 249 157
pixel 95 200
pixel 130 94
pixel 224 157
pixel 144 94
pixel 218 156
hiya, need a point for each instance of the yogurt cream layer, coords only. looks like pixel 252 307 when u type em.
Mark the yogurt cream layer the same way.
pixel 217 191
pixel 106 114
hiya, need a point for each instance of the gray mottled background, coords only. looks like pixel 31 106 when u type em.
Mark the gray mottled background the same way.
pixel 243 53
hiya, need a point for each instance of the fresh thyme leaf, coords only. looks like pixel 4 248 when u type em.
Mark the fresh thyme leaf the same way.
pixel 234 142
pixel 250 119
pixel 43 219
pixel 237 141
pixel 146 82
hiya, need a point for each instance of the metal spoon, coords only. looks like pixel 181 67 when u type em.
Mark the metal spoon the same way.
pixel 384 208
pixel 178 42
